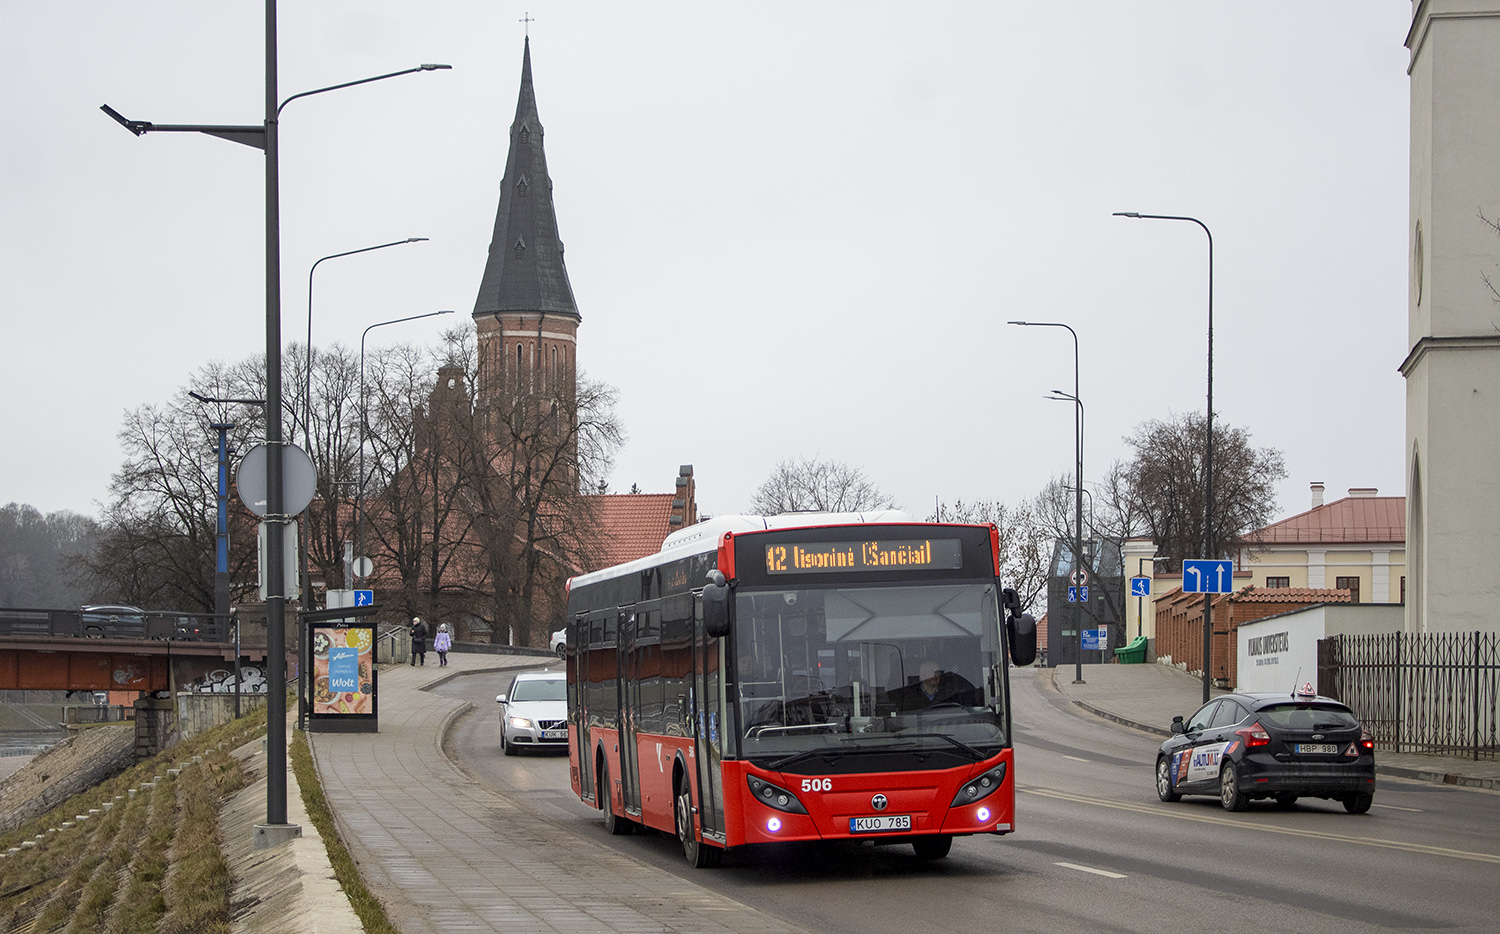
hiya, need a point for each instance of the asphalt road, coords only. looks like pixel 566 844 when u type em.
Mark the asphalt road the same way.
pixel 1094 848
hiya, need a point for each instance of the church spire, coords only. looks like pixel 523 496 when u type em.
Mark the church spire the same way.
pixel 525 272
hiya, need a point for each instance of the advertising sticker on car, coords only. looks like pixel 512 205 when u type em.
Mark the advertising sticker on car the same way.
pixel 883 823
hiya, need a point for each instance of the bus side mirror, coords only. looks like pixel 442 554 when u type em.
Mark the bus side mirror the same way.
pixel 1022 632
pixel 716 606
pixel 1010 601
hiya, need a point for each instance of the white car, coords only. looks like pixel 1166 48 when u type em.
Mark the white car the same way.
pixel 559 643
pixel 534 712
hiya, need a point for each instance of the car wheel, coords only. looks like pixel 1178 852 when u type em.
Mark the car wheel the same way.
pixel 1164 780
pixel 1358 804
pixel 613 823
pixel 699 854
pixel 562 651
pixel 508 747
pixel 935 847
pixel 1286 801
pixel 1229 789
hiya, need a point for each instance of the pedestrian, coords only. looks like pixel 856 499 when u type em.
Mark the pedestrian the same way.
pixel 441 643
pixel 418 641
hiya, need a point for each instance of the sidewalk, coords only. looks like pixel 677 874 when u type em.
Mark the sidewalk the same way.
pixel 1148 696
pixel 445 855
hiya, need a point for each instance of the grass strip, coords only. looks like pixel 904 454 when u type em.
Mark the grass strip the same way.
pixel 198 886
pixel 366 906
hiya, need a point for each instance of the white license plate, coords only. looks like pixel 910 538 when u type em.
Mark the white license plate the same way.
pixel 554 734
pixel 882 824
pixel 1317 749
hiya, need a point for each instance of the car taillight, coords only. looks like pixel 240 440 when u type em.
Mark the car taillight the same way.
pixel 1254 735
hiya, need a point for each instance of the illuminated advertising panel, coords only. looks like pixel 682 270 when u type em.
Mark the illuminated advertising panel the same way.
pixel 343 676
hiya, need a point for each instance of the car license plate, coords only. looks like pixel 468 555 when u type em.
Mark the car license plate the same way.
pixel 1317 749
pixel 884 823
pixel 554 734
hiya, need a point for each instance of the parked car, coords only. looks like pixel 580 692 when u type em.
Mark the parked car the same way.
pixel 1241 747
pixel 559 643
pixel 534 712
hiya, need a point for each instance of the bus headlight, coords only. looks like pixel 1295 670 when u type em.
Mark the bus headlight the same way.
pixel 774 796
pixel 979 788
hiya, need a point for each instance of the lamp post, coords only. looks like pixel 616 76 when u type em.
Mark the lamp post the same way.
pixel 221 522
pixel 364 419
pixel 264 137
pixel 1078 478
pixel 1208 447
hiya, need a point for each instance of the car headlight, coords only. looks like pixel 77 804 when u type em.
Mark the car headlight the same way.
pixel 981 787
pixel 520 723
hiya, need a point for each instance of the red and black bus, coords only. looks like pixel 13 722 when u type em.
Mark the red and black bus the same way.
pixel 799 677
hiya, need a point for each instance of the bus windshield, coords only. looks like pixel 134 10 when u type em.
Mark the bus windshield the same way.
pixel 830 670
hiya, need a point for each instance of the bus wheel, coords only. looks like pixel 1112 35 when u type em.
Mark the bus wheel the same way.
pixel 932 847
pixel 699 854
pixel 613 823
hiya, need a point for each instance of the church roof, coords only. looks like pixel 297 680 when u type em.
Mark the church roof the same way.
pixel 525 271
pixel 635 524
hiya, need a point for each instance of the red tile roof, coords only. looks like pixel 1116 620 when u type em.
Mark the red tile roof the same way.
pixel 634 524
pixel 1353 519
pixel 1292 595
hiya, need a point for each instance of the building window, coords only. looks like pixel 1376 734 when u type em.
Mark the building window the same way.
pixel 1278 582
pixel 1403 589
pixel 1350 584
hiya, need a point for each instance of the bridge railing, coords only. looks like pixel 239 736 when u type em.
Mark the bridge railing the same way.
pixel 145 625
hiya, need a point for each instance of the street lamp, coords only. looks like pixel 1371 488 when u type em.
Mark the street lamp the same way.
pixel 1078 560
pixel 1208 448
pixel 1078 481
pixel 264 137
pixel 307 396
pixel 364 426
pixel 221 523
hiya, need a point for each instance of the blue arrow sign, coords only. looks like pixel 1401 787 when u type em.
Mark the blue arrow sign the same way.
pixel 1140 586
pixel 1207 576
pixel 364 598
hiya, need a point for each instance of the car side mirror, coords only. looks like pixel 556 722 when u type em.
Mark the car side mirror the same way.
pixel 1178 726
pixel 716 605
pixel 499 698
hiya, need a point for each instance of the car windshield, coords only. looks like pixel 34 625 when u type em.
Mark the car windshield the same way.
pixel 539 689
pixel 1308 717
pixel 832 671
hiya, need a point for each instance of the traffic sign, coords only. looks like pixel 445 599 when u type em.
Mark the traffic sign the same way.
pixel 299 480
pixel 364 598
pixel 1072 594
pixel 1078 595
pixel 1140 586
pixel 1207 576
pixel 1080 576
pixel 1095 639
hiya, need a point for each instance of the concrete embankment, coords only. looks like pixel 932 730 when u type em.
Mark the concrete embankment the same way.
pixel 79 762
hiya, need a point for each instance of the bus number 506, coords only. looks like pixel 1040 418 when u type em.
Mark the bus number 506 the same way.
pixel 817 784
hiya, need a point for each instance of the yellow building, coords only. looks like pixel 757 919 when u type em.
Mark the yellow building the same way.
pixel 1357 543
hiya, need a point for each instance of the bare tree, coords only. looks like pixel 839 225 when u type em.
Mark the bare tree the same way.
pixel 1165 482
pixel 806 484
pixel 1025 544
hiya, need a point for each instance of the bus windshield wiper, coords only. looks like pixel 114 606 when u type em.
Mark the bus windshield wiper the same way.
pixel 978 756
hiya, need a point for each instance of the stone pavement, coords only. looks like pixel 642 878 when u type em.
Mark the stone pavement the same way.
pixel 1148 696
pixel 446 855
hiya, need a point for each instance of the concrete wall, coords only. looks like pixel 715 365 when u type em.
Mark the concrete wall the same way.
pixel 1280 653
pixel 199 712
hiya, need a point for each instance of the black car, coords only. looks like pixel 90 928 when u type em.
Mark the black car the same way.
pixel 1246 746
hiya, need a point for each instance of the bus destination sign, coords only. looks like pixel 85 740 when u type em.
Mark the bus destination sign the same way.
pixel 855 557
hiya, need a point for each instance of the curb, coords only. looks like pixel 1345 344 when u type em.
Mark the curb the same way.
pixel 1395 771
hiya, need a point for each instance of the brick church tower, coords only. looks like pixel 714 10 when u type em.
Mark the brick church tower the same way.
pixel 526 318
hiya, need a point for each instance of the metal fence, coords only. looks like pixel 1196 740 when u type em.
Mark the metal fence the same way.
pixel 1432 693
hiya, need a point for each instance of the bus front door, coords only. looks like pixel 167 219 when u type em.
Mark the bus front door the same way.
pixel 708 727
pixel 630 710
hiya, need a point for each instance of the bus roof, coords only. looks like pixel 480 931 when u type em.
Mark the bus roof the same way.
pixel 705 536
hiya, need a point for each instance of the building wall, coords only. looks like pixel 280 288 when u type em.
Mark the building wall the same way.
pixel 1280 653
pixel 1379 569
pixel 1453 368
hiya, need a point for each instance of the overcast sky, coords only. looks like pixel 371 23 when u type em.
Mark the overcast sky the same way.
pixel 793 229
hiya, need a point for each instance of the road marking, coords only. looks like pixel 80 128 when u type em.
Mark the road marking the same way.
pixel 1097 872
pixel 1159 811
pixel 1392 807
pixel 1075 759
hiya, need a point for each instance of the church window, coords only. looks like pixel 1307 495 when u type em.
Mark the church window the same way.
pixel 521 186
pixel 520 248
pixel 525 134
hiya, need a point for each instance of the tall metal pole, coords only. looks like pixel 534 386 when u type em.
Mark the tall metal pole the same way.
pixel 1078 493
pixel 275 518
pixel 1208 447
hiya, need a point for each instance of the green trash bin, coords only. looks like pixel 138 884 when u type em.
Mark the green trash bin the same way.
pixel 1132 654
